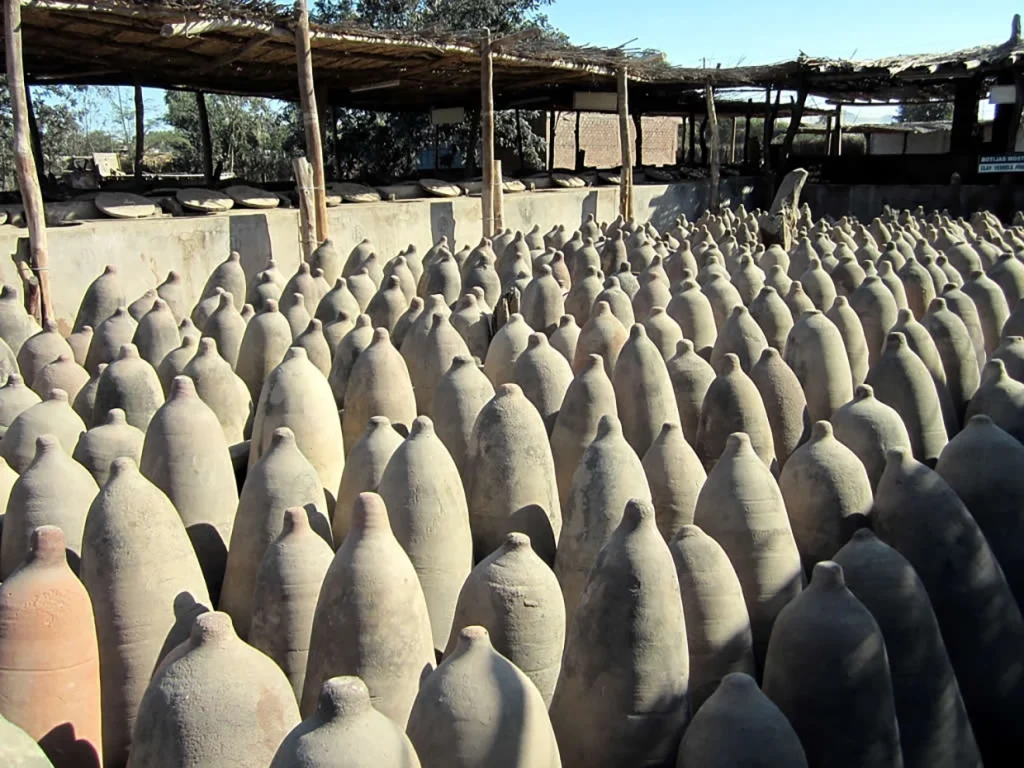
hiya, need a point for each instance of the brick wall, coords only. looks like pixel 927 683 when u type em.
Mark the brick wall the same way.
pixel 599 139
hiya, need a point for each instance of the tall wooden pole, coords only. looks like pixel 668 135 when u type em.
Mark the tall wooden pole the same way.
pixel 836 147
pixel 307 225
pixel 691 155
pixel 311 120
pixel 795 116
pixel 746 131
pixel 732 144
pixel 24 163
pixel 709 95
pixel 551 140
pixel 578 158
pixel 626 176
pixel 204 137
pixel 519 143
pixel 487 134
pixel 34 135
pixel 499 198
pixel 140 134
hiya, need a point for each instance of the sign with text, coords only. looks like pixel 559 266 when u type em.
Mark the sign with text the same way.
pixel 1013 163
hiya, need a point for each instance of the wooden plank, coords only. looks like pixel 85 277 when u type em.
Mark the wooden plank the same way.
pixel 487 134
pixel 499 198
pixel 140 134
pixel 794 123
pixel 709 95
pixel 551 140
pixel 578 156
pixel 836 143
pixel 204 137
pixel 307 225
pixel 34 135
pixel 732 143
pixel 626 145
pixel 38 294
pixel 746 131
pixel 310 120
pixel 233 56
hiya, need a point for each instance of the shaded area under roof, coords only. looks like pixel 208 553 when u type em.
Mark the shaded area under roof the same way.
pixel 247 47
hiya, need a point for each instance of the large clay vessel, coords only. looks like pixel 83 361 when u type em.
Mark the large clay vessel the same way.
pixel 542 303
pixel 717 625
pixel 296 395
pixel 739 707
pixel 847 717
pixel 892 281
pixel 283 478
pixel 101 299
pixel 172 365
pixel 52 416
pixel 934 729
pixel 798 301
pixel 16 325
pixel 515 596
pixel 285 590
pixel 227 328
pixel 602 335
pixel 675 476
pixel 999 397
pixel 772 315
pixel 922 345
pixel 146 586
pixel 741 507
pixel 98 447
pixel 870 428
pixel 371 617
pixel 1011 352
pixel 379 385
pixel 430 357
pixel 609 475
pixel 510 476
pixel 426 504
pixel 584 292
pixel 459 397
pixel 229 276
pixel 784 403
pixel 901 381
pixel 63 373
pixel 623 700
pixel 618 301
pixel 567 335
pixel 877 310
pixel 827 494
pixel 852 333
pixel 263 290
pixel 157 333
pixel 40 349
pixel 266 340
pixel 338 299
pixel 185 456
pixel 53 490
pixel 956 353
pixel 963 306
pixel 108 338
pixel 461 718
pixel 691 375
pixel 692 310
pixel 172 290
pixel 992 307
pixel 49 661
pixel 367 460
pixel 919 286
pixel 351 346
pixel 213 671
pixel 816 353
pixel 921 517
pixel 982 465
pixel 131 384
pixel 472 323
pixel 346 727
pixel 18 749
pixel 220 388
pixel 818 285
pixel 733 404
pixel 441 277
pixel 507 345
pixel 643 391
pixel 742 336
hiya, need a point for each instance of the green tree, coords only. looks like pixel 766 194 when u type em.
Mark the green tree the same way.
pixel 932 112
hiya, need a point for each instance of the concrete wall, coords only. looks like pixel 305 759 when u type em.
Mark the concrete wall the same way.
pixel 145 250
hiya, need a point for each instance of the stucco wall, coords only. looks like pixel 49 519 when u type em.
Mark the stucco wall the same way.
pixel 145 250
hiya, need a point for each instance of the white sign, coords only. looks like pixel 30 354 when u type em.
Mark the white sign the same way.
pixel 1001 163
pixel 595 101
pixel 447 116
pixel 1002 94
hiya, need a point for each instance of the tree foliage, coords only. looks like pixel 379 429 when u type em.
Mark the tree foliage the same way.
pixel 933 112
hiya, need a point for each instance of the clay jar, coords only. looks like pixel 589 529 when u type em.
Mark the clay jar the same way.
pixel 53 490
pixel 544 376
pixel 622 701
pixel 784 403
pixel 53 416
pixel 510 476
pixel 959 363
pixel 266 339
pixel 921 517
pixel 770 312
pixel 131 384
pixel 220 388
pixel 371 618
pixel 741 507
pixel 108 338
pixel 816 353
pixel 675 476
pixel 62 373
pixel 18 749
pixel 459 397
pixel 157 333
pixel 717 625
pixel 101 299
pixel 367 460
pixel 346 723
pixel 738 707
pixel 999 397
pixel 507 345
pixel 846 717
pixel 49 662
pixel 602 335
pixel 691 376
pixel 609 475
pixel 379 385
pixel 97 448
pixel 426 504
pixel 213 671
pixel 877 310
pixel 692 310
pixel 733 404
pixel 285 590
pixel 430 357
pixel 870 428
pixel 351 346
pixel 461 718
pixel 146 586
pixel 15 397
pixel 40 349
pixel 281 479
pixel 934 729
pixel 185 456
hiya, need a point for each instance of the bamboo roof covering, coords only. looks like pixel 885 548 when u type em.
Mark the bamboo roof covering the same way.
pixel 248 47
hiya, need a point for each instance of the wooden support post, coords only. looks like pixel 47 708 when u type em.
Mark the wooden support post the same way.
pixel 828 134
pixel 474 132
pixel 551 140
pixel 307 205
pixel 692 154
pixel 140 135
pixel 204 137
pixel 704 141
pixel 35 136
pixel 487 134
pixel 638 128
pixel 336 141
pixel 767 138
pixel 626 143
pixel 37 295
pixel 519 143
pixel 578 161
pixel 681 144
pixel 709 96
pixel 795 116
pixel 310 119
pixel 836 147
pixel 732 144
pixel 746 131
pixel 499 198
